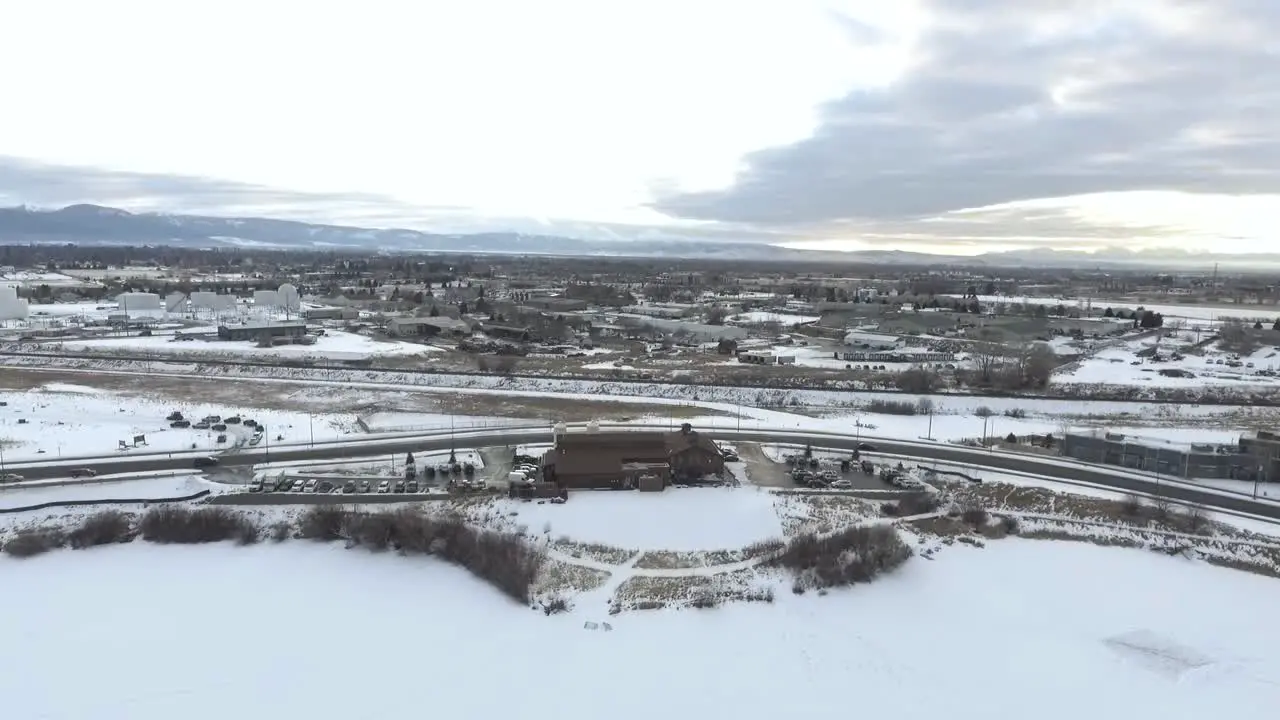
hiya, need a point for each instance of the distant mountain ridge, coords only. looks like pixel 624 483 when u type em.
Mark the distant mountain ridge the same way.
pixel 99 225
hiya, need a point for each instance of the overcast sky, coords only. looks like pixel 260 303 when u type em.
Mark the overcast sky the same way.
pixel 963 125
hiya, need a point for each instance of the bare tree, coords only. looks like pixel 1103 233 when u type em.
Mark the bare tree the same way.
pixel 1235 336
pixel 717 315
pixel 984 412
pixel 987 357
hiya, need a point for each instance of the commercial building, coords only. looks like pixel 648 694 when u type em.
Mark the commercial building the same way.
pixel 256 331
pixel 622 460
pixel 765 358
pixel 427 327
pixel 1185 460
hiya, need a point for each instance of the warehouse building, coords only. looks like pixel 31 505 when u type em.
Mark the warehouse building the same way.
pixel 256 331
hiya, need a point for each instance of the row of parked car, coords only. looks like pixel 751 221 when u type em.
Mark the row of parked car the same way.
pixel 348 487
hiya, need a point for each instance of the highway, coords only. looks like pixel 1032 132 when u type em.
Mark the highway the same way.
pixel 1050 468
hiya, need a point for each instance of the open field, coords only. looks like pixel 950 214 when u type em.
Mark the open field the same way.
pixel 1138 654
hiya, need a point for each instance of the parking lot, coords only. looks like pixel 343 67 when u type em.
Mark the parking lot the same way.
pixel 828 466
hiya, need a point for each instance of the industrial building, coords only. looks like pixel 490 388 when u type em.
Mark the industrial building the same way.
pixel 256 331
pixel 624 460
pixel 1184 460
pixel 765 358
pixel 861 340
pixel 427 326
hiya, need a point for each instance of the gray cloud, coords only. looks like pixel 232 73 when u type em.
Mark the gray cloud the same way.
pixel 974 122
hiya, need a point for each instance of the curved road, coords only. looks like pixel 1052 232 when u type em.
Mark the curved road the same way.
pixel 1051 468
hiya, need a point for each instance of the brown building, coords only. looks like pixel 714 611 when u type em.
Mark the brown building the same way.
pixel 619 460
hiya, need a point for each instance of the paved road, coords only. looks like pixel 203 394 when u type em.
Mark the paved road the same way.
pixel 507 436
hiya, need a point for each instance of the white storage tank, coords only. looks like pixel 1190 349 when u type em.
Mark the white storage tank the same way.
pixel 175 303
pixel 203 300
pixel 11 306
pixel 266 299
pixel 287 296
pixel 132 302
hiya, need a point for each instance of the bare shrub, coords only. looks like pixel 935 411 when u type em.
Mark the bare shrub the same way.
pixel 555 605
pixel 102 528
pixel 1160 508
pixel 918 380
pixel 705 600
pixel 173 524
pixel 506 561
pixel 280 531
pixel 983 411
pixel 763 548
pixel 1131 506
pixel 1195 519
pixel 975 515
pixel 854 555
pixel 322 522
pixel 892 407
pixel 27 543
pixel 1016 413
pixel 1010 524
pixel 916 503
pixel 497 363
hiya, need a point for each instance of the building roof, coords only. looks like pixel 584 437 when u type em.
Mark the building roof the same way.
pixel 444 323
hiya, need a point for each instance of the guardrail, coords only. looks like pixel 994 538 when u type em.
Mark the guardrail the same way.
pixel 108 501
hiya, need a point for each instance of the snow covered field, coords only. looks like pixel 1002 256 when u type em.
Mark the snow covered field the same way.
pixel 1011 625
pixel 333 345
pixel 678 519
pixel 68 420
pixel 1190 314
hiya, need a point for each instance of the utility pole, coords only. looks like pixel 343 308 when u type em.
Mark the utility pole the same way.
pixel 312 427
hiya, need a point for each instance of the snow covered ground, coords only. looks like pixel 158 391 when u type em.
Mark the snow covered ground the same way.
pixel 333 345
pixel 764 316
pixel 678 519
pixel 69 420
pixel 1010 625
pixel 399 421
pixel 1189 314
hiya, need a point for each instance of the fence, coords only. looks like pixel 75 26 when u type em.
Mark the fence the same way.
pixel 80 503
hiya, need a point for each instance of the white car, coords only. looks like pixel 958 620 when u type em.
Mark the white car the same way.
pixel 841 484
pixel 11 477
pixel 311 485
pixel 298 485
pixel 384 486
pixel 479 484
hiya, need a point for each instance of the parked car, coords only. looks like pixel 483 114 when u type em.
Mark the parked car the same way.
pixel 468 469
pixel 233 420
pixel 311 485
pixel 204 462
pixel 866 447
pixel 411 486
pixel 84 472
pixel 365 486
pixel 298 486
pixel 202 425
pixel 180 424
pixel 255 439
pixel 829 475
pixel 174 416
pixel 349 486
pixel 842 484
pixel 479 484
pixel 399 486
pixel 250 422
pixel 211 419
pixel 221 438
pixel 220 427
pixel 384 487
pixel 428 473
pixel 10 477
pixel 255 486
